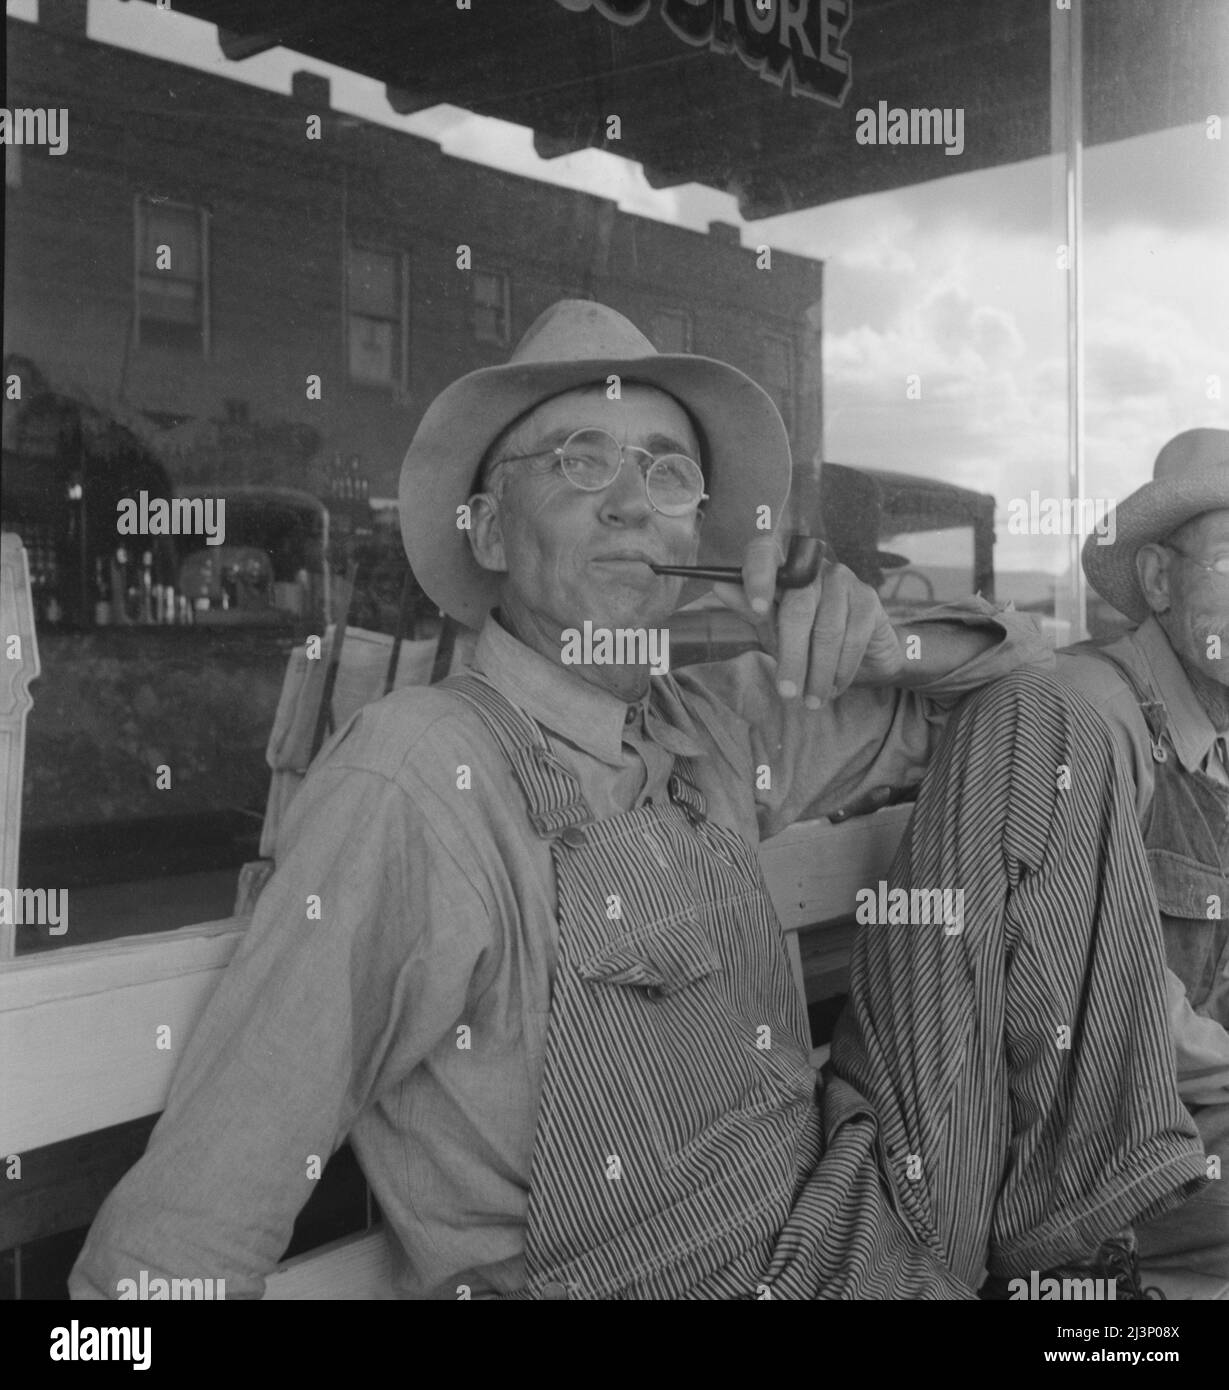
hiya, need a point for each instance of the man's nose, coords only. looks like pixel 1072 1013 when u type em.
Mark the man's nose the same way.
pixel 626 499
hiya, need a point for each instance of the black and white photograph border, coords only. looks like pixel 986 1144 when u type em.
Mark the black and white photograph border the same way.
pixel 616 658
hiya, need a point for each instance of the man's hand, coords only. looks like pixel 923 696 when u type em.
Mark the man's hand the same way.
pixel 823 636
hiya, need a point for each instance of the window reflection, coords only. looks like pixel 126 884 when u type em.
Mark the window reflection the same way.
pixel 376 320
pixel 915 340
pixel 172 285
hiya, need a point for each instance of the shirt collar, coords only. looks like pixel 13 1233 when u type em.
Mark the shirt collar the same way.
pixel 1191 730
pixel 594 720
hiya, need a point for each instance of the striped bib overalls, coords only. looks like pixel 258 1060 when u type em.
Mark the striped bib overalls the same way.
pixel 677 1116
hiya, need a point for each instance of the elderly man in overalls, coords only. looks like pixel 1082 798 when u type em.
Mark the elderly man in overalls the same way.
pixel 545 992
pixel 1162 558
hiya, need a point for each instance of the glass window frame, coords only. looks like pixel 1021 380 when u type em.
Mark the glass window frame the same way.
pixel 141 203
pixel 399 382
pixel 678 315
pixel 790 392
pixel 502 337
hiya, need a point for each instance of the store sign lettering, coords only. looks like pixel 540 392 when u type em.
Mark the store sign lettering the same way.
pixel 798 41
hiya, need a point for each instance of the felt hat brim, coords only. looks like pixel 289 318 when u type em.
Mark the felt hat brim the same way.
pixel 1153 512
pixel 745 448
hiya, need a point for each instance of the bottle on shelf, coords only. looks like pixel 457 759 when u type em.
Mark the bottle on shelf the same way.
pixel 53 609
pixel 147 587
pixel 102 593
pixel 119 587
pixel 132 596
pixel 34 564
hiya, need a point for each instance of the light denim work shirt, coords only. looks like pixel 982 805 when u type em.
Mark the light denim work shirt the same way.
pixel 408 1010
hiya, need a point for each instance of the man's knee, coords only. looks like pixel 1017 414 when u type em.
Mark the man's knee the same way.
pixel 1034 692
pixel 1028 753
pixel 1029 712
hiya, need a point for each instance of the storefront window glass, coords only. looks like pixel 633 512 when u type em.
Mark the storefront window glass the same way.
pixel 196 313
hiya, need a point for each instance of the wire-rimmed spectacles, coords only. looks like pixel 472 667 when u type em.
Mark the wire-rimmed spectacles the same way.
pixel 590 459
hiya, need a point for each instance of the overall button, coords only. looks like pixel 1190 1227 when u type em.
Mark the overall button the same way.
pixel 574 837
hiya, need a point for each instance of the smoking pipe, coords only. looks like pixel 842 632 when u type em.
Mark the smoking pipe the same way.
pixel 802 561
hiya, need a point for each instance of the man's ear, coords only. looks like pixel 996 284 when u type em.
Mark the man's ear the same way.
pixel 1152 570
pixel 486 537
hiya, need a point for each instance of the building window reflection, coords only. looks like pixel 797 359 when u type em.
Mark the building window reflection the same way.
pixel 492 307
pixel 777 374
pixel 172 285
pixel 670 330
pixel 378 317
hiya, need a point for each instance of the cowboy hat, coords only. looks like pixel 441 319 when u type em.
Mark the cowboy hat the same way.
pixel 1190 476
pixel 744 450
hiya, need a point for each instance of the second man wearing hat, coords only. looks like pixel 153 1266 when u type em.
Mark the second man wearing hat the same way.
pixel 1163 689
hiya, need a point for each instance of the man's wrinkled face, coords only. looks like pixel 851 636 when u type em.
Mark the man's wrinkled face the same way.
pixel 568 555
pixel 1198 599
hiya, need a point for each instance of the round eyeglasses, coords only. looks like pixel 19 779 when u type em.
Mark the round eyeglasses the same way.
pixel 591 459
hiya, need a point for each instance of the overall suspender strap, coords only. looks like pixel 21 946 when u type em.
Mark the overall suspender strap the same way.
pixel 682 783
pixel 685 793
pixel 552 796
pixel 1153 710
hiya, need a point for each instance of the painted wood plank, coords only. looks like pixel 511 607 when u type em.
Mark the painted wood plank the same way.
pixel 80 1047
pixel 814 868
pixel 354 1268
pixel 16 673
pixel 74 971
pixel 794 950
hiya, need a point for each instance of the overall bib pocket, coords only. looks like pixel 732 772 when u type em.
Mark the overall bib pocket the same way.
pixel 703 1056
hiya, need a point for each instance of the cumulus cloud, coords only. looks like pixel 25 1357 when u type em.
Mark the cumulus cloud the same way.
pixel 983 324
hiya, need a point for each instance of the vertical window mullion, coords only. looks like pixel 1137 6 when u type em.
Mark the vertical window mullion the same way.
pixel 206 317
pixel 138 242
pixel 404 384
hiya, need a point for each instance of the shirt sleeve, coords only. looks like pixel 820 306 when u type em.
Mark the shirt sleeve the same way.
pixel 1107 690
pixel 1201 1048
pixel 357 961
pixel 819 761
